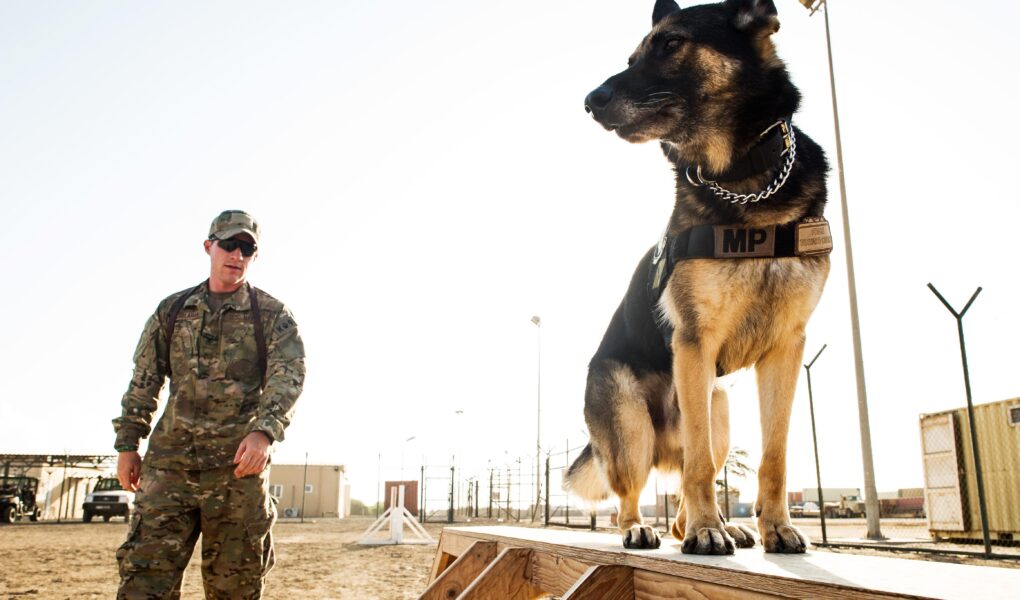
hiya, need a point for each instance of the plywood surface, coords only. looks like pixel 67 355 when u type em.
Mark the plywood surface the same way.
pixel 817 574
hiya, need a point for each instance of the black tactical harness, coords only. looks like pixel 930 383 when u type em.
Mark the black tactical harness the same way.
pixel 171 321
pixel 808 237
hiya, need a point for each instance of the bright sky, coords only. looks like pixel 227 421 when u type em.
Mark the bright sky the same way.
pixel 427 180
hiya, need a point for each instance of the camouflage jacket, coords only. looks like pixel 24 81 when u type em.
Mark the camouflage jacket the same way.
pixel 215 396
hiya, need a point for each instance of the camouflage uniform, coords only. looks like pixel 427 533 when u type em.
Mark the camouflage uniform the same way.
pixel 187 484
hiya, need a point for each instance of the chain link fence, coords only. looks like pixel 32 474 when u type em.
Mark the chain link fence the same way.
pixel 507 494
pixel 958 507
pixel 970 498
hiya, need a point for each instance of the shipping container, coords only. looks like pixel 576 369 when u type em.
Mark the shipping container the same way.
pixel 951 492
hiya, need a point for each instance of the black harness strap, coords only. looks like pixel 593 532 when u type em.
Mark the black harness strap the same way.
pixel 809 237
pixel 260 336
pixel 171 321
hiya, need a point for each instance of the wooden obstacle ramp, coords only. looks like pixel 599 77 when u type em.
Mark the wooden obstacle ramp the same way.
pixel 518 563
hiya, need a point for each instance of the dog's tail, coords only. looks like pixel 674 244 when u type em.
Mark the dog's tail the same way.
pixel 585 477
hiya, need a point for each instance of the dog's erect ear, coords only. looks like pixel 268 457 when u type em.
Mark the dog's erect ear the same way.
pixel 754 16
pixel 662 9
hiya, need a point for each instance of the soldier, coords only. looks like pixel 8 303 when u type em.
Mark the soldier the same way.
pixel 236 367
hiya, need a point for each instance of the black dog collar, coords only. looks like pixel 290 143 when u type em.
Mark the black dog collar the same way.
pixel 764 155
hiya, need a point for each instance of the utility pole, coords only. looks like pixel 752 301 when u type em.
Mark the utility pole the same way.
pixel 870 491
pixel 304 489
pixel 538 425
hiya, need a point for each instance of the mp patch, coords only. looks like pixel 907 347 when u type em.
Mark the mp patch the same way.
pixel 741 242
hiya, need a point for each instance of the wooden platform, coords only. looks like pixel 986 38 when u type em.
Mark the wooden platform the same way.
pixel 509 563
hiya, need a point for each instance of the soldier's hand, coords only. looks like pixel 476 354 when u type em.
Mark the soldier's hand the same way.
pixel 129 468
pixel 252 454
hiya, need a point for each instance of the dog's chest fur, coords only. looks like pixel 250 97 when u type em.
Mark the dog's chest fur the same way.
pixel 736 310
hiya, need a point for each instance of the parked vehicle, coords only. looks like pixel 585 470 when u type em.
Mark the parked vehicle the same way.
pixel 108 500
pixel 848 507
pixel 17 499
pixel 911 508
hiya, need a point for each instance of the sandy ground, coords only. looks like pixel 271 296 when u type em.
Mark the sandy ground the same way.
pixel 318 559
pixel 313 560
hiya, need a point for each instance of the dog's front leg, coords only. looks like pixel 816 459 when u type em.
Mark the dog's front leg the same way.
pixel 694 374
pixel 777 381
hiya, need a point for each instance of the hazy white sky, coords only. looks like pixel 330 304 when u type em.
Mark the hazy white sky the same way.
pixel 427 180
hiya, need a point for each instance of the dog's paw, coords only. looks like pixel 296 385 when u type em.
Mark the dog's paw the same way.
pixel 742 535
pixel 641 537
pixel 783 538
pixel 708 540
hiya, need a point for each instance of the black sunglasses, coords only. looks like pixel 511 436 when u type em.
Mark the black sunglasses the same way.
pixel 247 248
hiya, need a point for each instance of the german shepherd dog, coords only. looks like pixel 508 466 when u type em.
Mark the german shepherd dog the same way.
pixel 706 82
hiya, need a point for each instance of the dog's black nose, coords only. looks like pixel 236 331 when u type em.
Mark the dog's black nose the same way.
pixel 598 99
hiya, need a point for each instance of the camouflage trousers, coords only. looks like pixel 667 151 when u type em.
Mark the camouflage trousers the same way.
pixel 172 507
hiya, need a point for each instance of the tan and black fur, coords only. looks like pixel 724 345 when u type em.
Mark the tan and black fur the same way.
pixel 705 82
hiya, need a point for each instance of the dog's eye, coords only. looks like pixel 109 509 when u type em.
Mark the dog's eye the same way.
pixel 673 44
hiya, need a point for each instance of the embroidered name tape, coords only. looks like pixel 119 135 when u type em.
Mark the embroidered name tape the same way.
pixel 812 237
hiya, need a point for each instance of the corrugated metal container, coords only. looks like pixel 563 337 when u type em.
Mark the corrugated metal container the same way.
pixel 950 479
pixel 910 493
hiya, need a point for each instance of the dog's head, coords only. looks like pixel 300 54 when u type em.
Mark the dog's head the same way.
pixel 705 81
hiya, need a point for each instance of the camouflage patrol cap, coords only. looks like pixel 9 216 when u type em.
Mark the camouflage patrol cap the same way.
pixel 232 222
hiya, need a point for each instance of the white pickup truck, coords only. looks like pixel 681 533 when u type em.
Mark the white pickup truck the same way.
pixel 108 500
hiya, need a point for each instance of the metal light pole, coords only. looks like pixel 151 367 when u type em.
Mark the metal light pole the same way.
pixel 970 412
pixel 403 448
pixel 870 491
pixel 538 424
pixel 814 440
pixel 304 489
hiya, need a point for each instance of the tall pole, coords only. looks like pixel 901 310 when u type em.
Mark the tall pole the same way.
pixel 304 489
pixel 970 413
pixel 726 490
pixel 63 482
pixel 566 498
pixel 871 493
pixel 402 449
pixel 814 440
pixel 538 424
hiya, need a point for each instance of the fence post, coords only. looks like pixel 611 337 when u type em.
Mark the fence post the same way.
pixel 665 507
pixel 423 516
pixel 449 514
pixel 814 440
pixel 508 494
pixel 476 497
pixel 546 490
pixel 726 490
pixel 490 493
pixel 566 497
pixel 970 413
